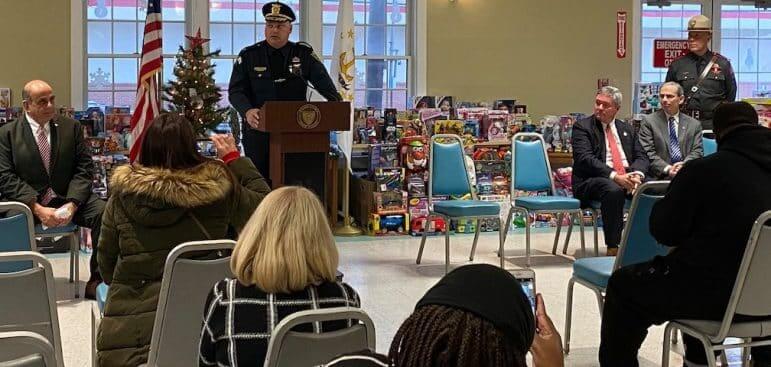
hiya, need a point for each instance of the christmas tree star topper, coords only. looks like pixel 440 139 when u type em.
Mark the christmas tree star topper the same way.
pixel 197 40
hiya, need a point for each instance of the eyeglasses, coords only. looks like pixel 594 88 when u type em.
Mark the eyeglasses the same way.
pixel 44 101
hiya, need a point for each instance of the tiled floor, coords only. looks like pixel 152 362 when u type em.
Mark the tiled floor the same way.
pixel 384 272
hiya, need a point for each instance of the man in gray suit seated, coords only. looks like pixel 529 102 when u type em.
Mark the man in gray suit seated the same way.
pixel 668 137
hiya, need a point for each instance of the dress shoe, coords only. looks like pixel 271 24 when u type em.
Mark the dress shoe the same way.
pixel 91 285
pixel 612 251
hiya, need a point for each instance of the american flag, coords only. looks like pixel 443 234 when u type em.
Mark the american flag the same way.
pixel 147 104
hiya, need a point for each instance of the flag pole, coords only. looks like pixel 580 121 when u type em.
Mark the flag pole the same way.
pixel 344 76
pixel 347 229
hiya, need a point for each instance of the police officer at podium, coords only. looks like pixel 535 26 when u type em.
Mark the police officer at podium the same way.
pixel 274 70
pixel 707 77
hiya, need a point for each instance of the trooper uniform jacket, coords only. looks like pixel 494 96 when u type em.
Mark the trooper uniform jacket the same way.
pixel 719 85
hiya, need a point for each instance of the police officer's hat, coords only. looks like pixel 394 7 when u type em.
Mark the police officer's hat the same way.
pixel 278 12
pixel 699 23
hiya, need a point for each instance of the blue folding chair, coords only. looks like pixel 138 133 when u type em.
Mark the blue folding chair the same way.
pixel 448 176
pixel 637 246
pixel 19 234
pixel 17 229
pixel 708 143
pixel 530 171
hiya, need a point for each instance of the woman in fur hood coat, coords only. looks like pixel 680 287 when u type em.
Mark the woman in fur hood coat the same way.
pixel 170 196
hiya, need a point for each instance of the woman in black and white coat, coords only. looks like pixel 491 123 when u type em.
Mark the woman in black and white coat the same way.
pixel 285 261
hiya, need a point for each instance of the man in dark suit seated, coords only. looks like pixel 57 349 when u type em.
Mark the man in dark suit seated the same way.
pixel 706 217
pixel 608 163
pixel 45 164
pixel 670 138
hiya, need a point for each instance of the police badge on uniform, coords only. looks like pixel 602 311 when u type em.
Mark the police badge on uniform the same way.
pixel 295 67
pixel 716 69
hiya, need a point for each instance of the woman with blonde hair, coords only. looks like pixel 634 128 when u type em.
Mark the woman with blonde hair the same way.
pixel 285 261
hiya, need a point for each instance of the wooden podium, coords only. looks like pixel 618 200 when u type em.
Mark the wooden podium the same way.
pixel 301 129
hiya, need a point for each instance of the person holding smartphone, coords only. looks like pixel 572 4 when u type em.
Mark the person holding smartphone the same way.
pixel 477 315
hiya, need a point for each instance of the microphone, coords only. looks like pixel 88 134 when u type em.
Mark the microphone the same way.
pixel 296 70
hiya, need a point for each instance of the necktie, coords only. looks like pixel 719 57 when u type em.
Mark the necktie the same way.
pixel 45 154
pixel 674 146
pixel 615 154
pixel 277 64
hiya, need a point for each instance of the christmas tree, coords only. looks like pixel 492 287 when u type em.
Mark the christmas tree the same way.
pixel 194 93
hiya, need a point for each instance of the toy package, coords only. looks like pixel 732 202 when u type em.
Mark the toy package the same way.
pixel 464 225
pixel 444 103
pixel 505 105
pixel 646 98
pixel 389 133
pixel 448 127
pixel 433 227
pixel 383 156
pixel 550 131
pixel 389 224
pixel 416 184
pixel 389 179
pixel 422 102
pixel 563 181
pixel 390 202
pixel 415 127
pixel 471 113
pixel 471 127
pixel 494 125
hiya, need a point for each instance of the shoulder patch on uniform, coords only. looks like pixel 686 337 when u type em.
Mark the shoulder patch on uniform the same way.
pixel 310 48
pixel 306 44
pixel 252 47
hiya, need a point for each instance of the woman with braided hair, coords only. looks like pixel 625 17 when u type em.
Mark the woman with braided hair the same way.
pixel 476 315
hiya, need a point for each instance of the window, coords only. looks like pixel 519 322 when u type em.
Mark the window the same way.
pixel 745 39
pixel 233 25
pixel 114 33
pixel 382 50
pixel 669 23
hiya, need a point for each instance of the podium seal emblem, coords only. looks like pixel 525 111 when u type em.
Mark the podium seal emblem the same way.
pixel 308 116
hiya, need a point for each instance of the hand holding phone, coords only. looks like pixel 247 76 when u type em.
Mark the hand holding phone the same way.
pixel 547 344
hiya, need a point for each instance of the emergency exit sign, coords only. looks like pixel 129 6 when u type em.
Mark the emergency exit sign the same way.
pixel 667 50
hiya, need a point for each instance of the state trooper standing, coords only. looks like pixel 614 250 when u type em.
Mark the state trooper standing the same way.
pixel 274 70
pixel 707 77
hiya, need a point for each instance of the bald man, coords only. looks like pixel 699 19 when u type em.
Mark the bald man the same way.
pixel 45 164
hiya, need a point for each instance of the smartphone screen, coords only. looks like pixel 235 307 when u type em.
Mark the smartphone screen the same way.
pixel 526 279
pixel 528 286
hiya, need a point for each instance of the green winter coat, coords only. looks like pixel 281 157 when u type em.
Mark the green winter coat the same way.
pixel 146 217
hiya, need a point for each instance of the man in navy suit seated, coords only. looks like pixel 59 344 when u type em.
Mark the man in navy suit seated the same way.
pixel 608 163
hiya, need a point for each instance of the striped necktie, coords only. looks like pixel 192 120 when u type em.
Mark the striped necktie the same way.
pixel 45 154
pixel 674 146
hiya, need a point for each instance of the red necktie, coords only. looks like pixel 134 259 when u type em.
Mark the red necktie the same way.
pixel 615 155
pixel 45 155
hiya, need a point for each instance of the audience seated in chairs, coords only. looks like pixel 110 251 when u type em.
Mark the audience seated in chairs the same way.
pixel 474 316
pixel 669 137
pixel 170 196
pixel 706 217
pixel 285 261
